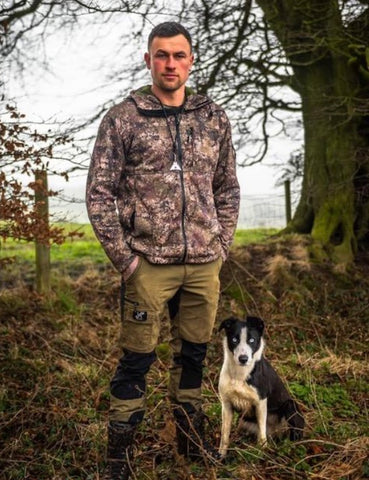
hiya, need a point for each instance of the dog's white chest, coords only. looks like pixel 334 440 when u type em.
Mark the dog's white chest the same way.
pixel 238 393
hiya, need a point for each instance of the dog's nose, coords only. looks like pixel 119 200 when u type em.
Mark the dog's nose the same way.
pixel 243 359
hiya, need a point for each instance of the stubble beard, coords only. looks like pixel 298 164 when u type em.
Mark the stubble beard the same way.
pixel 170 87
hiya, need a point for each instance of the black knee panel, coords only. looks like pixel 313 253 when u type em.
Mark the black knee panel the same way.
pixel 191 359
pixel 129 379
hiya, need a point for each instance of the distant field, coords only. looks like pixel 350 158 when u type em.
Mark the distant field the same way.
pixel 254 235
pixel 87 248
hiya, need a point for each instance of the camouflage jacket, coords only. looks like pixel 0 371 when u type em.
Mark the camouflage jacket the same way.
pixel 142 202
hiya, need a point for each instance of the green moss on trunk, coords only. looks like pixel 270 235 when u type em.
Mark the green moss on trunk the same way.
pixel 333 230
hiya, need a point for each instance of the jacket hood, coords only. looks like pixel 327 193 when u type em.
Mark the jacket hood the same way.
pixel 149 105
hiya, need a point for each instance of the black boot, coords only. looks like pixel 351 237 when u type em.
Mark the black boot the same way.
pixel 191 441
pixel 120 451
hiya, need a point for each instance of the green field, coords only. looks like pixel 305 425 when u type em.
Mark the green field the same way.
pixel 85 248
pixel 88 250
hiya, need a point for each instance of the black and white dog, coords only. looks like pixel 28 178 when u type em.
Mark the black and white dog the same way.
pixel 248 384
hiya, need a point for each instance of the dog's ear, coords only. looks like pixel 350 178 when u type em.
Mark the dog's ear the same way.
pixel 227 324
pixel 256 323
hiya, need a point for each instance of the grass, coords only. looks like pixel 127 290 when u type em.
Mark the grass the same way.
pixel 57 356
pixel 74 249
pixel 258 235
pixel 78 254
pixel 72 258
pixel 88 247
pixel 87 250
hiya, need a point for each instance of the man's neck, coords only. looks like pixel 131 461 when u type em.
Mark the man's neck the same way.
pixel 171 99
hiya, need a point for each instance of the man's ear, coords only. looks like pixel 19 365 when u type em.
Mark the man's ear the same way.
pixel 192 59
pixel 147 60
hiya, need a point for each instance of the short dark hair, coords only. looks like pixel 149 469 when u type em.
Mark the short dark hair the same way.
pixel 169 29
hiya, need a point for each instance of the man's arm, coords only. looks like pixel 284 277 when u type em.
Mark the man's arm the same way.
pixel 103 179
pixel 226 189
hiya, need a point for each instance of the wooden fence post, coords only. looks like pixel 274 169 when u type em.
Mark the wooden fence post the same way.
pixel 42 245
pixel 287 194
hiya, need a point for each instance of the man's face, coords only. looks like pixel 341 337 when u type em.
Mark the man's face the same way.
pixel 170 60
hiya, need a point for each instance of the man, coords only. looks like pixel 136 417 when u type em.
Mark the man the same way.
pixel 163 199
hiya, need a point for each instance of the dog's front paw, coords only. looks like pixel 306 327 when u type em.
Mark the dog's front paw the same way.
pixel 222 452
pixel 225 459
pixel 262 442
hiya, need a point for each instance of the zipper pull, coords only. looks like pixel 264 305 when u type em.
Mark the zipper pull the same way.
pixel 175 165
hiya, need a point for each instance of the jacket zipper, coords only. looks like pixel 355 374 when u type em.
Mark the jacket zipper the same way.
pixel 180 161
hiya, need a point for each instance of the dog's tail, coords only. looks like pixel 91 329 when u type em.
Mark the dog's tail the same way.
pixel 295 420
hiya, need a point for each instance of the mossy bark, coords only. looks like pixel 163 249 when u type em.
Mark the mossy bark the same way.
pixel 330 166
pixel 313 38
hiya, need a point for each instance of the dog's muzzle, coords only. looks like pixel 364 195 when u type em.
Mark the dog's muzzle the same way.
pixel 243 359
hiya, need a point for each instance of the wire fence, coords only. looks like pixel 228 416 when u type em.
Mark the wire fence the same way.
pixel 258 211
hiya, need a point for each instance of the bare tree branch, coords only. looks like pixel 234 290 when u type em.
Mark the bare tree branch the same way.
pixel 13 13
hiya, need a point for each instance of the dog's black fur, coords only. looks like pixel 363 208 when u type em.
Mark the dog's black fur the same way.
pixel 250 385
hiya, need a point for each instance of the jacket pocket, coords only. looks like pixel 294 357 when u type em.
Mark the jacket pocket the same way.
pixel 142 222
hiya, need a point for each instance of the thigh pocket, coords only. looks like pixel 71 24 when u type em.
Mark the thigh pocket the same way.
pixel 140 329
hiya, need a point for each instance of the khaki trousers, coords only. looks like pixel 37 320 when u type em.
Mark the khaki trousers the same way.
pixel 195 289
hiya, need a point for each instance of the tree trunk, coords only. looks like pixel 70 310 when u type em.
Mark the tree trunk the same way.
pixel 331 141
pixel 328 207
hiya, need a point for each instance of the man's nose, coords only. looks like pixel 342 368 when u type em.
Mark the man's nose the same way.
pixel 170 62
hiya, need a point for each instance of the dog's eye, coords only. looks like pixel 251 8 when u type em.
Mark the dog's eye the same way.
pixel 251 340
pixel 234 339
